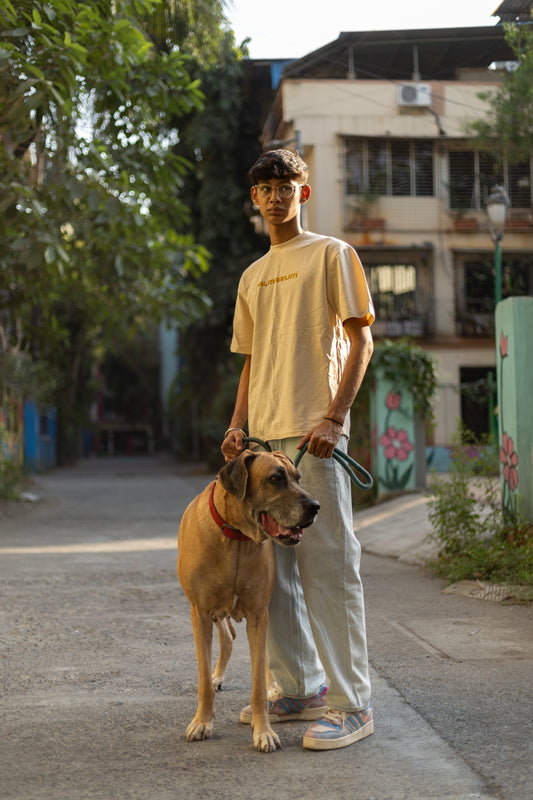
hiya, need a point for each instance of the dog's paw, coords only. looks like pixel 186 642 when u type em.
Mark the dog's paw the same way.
pixel 217 682
pixel 199 730
pixel 267 742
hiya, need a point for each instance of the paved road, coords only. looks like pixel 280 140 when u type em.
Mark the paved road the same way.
pixel 100 676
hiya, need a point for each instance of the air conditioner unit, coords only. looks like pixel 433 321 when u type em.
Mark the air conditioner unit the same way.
pixel 414 94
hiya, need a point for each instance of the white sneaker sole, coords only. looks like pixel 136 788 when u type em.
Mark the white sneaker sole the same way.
pixel 307 715
pixel 312 743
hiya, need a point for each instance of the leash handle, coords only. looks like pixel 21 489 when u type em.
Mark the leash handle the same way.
pixel 354 470
pixel 352 467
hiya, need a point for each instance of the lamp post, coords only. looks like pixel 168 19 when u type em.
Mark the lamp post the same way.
pixel 496 206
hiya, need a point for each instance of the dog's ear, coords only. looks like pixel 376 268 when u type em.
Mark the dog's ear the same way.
pixel 234 476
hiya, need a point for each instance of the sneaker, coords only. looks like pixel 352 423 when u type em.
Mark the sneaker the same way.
pixel 283 709
pixel 338 729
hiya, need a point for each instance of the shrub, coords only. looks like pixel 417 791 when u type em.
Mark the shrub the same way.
pixel 475 539
pixel 12 478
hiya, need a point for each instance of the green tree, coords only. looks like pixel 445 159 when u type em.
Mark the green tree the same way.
pixel 93 231
pixel 507 130
pixel 223 140
pixel 195 26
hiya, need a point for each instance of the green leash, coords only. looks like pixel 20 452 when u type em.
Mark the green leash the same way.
pixel 260 442
pixel 348 463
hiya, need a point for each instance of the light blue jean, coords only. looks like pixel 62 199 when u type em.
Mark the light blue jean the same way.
pixel 317 619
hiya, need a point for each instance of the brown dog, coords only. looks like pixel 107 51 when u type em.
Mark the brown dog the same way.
pixel 226 569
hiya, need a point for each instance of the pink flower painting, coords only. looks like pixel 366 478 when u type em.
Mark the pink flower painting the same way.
pixel 396 447
pixel 504 341
pixel 508 454
pixel 509 459
pixel 396 444
pixel 393 400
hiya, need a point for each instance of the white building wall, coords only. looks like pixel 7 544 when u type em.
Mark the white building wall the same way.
pixel 323 112
pixel 448 400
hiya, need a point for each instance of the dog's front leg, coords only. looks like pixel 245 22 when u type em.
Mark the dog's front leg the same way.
pixel 201 725
pixel 264 737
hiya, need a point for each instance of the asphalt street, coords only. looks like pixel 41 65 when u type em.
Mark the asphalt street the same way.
pixel 99 669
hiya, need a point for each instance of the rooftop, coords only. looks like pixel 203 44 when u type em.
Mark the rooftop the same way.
pixel 426 54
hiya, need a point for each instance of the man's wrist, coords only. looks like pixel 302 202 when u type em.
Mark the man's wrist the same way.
pixel 234 428
pixel 336 421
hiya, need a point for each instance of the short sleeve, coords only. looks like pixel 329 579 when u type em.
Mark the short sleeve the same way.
pixel 243 326
pixel 347 287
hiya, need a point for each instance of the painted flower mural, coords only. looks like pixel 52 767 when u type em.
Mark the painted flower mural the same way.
pixel 396 444
pixel 508 455
pixel 509 459
pixel 393 400
pixel 504 340
pixel 397 448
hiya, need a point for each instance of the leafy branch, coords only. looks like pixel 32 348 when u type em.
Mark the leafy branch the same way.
pixel 409 366
pixel 507 129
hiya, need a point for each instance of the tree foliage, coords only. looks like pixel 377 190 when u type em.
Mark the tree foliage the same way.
pixel 94 234
pixel 507 129
pixel 408 365
pixel 223 142
pixel 194 25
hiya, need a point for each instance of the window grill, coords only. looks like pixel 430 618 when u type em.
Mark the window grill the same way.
pixel 473 174
pixel 400 295
pixel 390 167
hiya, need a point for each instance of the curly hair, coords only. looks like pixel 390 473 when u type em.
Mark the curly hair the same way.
pixel 279 164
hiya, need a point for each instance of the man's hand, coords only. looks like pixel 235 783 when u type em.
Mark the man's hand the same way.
pixel 233 445
pixel 323 439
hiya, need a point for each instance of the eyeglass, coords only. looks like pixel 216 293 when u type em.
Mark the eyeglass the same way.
pixel 285 191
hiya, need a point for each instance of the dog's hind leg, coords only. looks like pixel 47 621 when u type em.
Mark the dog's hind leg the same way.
pixel 201 726
pixel 226 635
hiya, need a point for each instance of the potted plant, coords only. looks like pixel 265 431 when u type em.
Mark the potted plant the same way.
pixel 360 213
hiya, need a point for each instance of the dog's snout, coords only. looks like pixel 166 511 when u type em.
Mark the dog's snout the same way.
pixel 312 506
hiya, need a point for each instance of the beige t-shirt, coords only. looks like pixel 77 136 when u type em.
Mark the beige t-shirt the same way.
pixel 289 312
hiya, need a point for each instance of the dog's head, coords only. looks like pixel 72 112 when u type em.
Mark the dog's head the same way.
pixel 267 486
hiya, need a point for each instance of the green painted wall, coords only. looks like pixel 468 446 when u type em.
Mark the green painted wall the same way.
pixel 514 358
pixel 398 438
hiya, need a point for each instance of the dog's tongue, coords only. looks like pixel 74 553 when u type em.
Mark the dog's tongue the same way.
pixel 275 529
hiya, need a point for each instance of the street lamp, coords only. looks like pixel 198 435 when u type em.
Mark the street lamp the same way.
pixel 496 205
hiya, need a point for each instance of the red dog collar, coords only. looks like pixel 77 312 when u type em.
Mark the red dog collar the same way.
pixel 227 530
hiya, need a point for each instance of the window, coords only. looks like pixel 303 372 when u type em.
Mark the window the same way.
pixel 490 174
pixel 393 167
pixel 377 154
pixel 423 168
pixel 476 279
pixel 400 292
pixel 472 175
pixel 462 171
pixel 477 385
pixel 393 289
pixel 354 176
pixel 478 317
pixel 400 168
pixel 519 185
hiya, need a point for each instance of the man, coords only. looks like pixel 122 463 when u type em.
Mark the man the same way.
pixel 302 319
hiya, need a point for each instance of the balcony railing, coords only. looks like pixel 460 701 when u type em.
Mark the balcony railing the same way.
pixel 476 324
pixel 417 327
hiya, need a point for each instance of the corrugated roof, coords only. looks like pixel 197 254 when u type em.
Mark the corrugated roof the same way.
pixel 391 54
pixel 515 10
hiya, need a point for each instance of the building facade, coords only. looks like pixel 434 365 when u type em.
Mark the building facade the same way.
pixel 381 118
